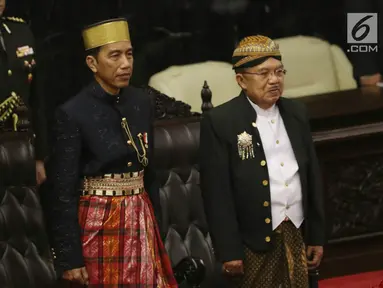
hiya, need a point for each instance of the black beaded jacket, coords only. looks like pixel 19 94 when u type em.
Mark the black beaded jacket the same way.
pixel 89 141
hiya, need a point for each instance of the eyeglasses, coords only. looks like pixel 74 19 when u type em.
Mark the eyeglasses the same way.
pixel 280 73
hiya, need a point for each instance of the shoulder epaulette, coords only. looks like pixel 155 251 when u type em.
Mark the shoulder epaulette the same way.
pixel 15 19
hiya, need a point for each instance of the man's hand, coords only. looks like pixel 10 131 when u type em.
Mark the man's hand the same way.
pixel 370 80
pixel 40 172
pixel 314 256
pixel 79 275
pixel 233 268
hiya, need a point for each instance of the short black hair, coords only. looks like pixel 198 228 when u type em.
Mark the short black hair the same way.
pixel 93 52
pixel 239 70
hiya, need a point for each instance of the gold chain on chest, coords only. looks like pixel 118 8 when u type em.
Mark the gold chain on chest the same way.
pixel 141 157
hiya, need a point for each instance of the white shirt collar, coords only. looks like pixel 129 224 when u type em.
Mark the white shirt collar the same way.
pixel 271 112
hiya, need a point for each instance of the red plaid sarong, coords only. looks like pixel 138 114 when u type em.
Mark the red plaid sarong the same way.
pixel 122 246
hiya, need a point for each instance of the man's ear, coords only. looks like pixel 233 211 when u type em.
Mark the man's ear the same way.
pixel 241 81
pixel 92 63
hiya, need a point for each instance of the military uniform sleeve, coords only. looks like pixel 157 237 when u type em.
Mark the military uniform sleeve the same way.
pixel 38 113
pixel 317 227
pixel 151 183
pixel 64 229
pixel 217 193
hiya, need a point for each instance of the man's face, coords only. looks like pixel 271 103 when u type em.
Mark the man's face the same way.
pixel 263 84
pixel 113 64
pixel 2 6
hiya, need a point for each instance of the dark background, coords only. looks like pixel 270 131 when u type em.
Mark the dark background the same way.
pixel 164 33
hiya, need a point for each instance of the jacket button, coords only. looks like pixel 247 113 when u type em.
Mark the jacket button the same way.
pixel 129 142
pixel 267 220
pixel 9 72
pixel 267 239
pixel 266 204
pixel 263 163
pixel 254 124
pixel 130 164
pixel 265 182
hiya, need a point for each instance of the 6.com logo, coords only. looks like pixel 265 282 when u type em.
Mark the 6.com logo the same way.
pixel 362 32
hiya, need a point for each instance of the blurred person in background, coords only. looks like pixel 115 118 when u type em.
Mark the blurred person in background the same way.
pixel 19 85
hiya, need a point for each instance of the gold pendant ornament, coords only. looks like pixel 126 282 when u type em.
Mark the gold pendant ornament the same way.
pixel 141 157
pixel 245 146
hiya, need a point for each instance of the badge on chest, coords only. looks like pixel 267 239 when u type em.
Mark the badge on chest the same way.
pixel 245 146
pixel 24 51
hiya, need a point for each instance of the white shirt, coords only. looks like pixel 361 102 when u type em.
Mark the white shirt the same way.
pixel 284 179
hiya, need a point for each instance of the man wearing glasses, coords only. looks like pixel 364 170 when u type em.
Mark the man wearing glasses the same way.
pixel 260 177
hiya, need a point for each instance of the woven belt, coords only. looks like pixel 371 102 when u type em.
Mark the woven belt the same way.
pixel 125 184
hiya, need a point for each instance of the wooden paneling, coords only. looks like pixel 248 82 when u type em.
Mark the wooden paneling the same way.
pixel 348 133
